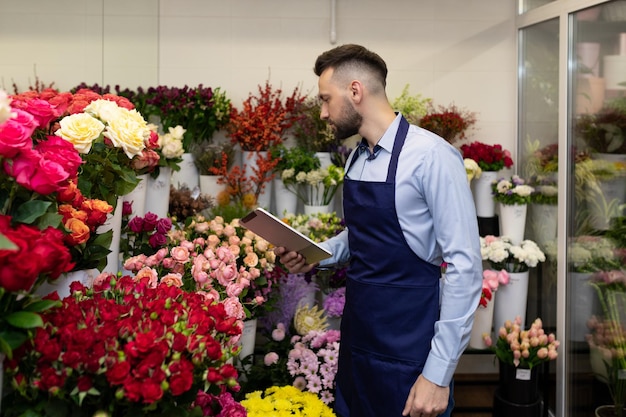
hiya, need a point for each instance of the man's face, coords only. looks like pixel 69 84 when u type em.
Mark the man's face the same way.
pixel 337 107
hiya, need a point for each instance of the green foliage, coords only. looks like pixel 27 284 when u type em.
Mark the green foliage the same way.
pixel 412 107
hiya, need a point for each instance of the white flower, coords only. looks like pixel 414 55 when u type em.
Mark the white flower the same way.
pixel 472 169
pixel 523 190
pixel 504 186
pixel 128 132
pixel 5 107
pixel 171 147
pixel 177 132
pixel 104 110
pixel 548 190
pixel 80 129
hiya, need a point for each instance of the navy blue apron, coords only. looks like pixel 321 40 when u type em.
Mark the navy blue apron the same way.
pixel 392 302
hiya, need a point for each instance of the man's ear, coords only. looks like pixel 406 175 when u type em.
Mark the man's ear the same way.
pixel 356 91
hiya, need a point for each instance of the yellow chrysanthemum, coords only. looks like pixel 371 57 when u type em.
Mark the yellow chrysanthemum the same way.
pixel 285 401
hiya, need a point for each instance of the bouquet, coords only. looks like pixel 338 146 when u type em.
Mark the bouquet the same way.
pixel 285 401
pixel 186 203
pixel 592 253
pixel 292 160
pixel 488 157
pixel 608 332
pixel 525 348
pixel 143 235
pixel 264 118
pixel 169 149
pixel 491 281
pixel 307 359
pixel 605 131
pixel 503 255
pixel 450 122
pixel 210 158
pixel 318 227
pixel 512 191
pixel 412 107
pixel 130 347
pixel 318 186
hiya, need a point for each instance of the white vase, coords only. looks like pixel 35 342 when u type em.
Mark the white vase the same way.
pixel 114 223
pixel 481 191
pixel 209 185
pixel 583 304
pixel 285 201
pixel 158 193
pixel 325 159
pixel 138 196
pixel 513 221
pixel 311 210
pixel 511 300
pixel 544 222
pixel 188 175
pixel 248 338
pixel 62 284
pixel 483 323
pixel 250 159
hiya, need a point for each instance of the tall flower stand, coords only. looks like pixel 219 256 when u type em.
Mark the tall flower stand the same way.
pixel 137 197
pixel 481 191
pixel 483 323
pixel 511 300
pixel 209 185
pixel 188 175
pixel 518 394
pixel 513 221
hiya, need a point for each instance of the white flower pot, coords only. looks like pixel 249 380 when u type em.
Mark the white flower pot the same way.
pixel 513 221
pixel 113 222
pixel 483 323
pixel 158 193
pixel 481 190
pixel 187 175
pixel 311 210
pixel 511 300
pixel 138 196
pixel 62 284
pixel 582 306
pixel 284 200
pixel 209 185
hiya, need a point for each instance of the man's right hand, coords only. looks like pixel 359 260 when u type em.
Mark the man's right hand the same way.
pixel 293 261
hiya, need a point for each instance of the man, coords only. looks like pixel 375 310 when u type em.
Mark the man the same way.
pixel 408 208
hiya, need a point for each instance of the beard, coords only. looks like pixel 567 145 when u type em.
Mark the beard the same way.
pixel 349 123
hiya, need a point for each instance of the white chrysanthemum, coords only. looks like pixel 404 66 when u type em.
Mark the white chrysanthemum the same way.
pixel 301 177
pixel 81 130
pixel 5 107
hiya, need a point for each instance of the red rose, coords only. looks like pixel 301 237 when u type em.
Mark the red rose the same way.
pixel 84 383
pixel 151 391
pixel 118 373
pixel 181 382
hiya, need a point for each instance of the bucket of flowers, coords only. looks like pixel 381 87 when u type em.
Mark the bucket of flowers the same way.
pixel 127 346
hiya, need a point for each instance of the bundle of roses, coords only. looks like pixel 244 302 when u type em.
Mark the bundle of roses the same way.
pixel 125 347
pixel 488 157
pixel 142 234
pixel 303 354
pixel 225 261
pixel 512 191
pixel 525 348
pixel 504 255
pixel 491 281
pixel 46 223
pixel 166 152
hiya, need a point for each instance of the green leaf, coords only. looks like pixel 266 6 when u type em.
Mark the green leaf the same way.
pixel 6 244
pixel 13 338
pixel 30 211
pixel 43 305
pixel 24 320
pixel 50 219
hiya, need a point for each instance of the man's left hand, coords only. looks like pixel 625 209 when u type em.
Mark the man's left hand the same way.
pixel 426 399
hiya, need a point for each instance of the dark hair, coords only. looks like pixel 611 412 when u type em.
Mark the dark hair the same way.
pixel 351 54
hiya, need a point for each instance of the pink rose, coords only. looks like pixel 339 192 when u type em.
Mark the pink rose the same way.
pixel 59 150
pixel 35 173
pixel 149 274
pixel 226 274
pixel 173 279
pixel 43 111
pixel 15 134
pixel 147 159
pixel 180 254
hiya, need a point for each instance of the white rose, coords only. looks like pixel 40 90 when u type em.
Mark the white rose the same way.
pixel 5 107
pixel 177 132
pixel 80 130
pixel 128 134
pixel 104 110
pixel 171 147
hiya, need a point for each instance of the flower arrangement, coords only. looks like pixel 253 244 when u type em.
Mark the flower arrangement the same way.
pixel 488 157
pixel 318 227
pixel 592 253
pixel 310 132
pixel 169 148
pixel 525 348
pixel 143 235
pixel 125 347
pixel 491 281
pixel 472 169
pixel 285 401
pixel 225 261
pixel 512 191
pixel 211 158
pixel 200 110
pixel 608 333
pixel 604 131
pixel 503 255
pixel 449 122
pixel 412 107
pixel 264 118
pixel 292 160
pixel 306 360
pixel 318 186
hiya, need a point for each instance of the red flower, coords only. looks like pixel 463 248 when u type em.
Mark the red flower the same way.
pixel 488 157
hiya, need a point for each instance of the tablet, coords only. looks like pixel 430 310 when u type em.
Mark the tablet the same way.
pixel 279 233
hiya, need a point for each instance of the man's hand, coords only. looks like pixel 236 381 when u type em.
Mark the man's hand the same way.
pixel 426 399
pixel 293 261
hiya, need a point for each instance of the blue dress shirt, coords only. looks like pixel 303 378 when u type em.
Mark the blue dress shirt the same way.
pixel 436 212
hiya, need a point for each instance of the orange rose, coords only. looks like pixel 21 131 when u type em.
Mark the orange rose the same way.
pixel 79 232
pixel 69 212
pixel 97 212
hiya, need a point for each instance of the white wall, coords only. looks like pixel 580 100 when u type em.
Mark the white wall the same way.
pixel 461 51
